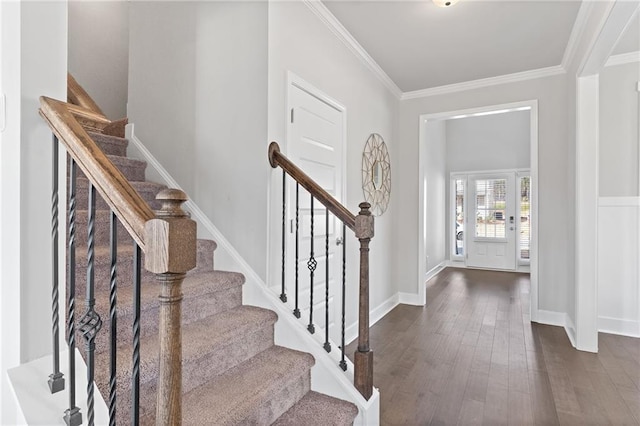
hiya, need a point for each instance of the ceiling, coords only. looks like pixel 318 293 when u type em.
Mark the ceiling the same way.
pixel 420 45
pixel 630 40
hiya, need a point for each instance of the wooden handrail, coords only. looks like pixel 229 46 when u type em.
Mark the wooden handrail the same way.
pixel 276 158
pixel 76 95
pixel 111 184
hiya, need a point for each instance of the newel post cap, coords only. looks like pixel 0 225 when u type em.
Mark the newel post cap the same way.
pixel 364 228
pixel 170 238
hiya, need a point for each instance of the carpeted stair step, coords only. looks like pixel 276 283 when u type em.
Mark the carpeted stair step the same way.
pixel 124 265
pixel 132 169
pixel 210 346
pixel 257 391
pixel 205 294
pixel 110 145
pixel 317 409
pixel 147 190
pixel 102 229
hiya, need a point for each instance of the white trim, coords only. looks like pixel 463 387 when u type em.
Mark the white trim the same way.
pixel 351 333
pixel 619 326
pixel 410 299
pixel 435 270
pixel 576 33
pixel 533 104
pixel 619 202
pixel 623 58
pixel 484 82
pixel 328 18
pixel 558 319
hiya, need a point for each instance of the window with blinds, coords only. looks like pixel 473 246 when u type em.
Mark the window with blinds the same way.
pixel 490 206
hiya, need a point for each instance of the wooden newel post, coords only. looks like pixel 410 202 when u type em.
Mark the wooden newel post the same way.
pixel 363 364
pixel 170 252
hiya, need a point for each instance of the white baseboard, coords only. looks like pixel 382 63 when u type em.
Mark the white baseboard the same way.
pixel 559 319
pixel 435 270
pixel 351 333
pixel 410 299
pixel 619 326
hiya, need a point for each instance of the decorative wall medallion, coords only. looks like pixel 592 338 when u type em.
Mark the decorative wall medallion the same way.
pixel 376 174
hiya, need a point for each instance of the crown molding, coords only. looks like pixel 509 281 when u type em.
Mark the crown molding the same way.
pixel 623 58
pixel 328 18
pixel 576 33
pixel 485 82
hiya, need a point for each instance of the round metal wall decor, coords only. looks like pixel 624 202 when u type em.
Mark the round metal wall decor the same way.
pixel 376 174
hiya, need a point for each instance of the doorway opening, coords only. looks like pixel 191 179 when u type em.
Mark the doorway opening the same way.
pixel 469 210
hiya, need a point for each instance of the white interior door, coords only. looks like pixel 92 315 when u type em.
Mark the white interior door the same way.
pixel 315 144
pixel 491 221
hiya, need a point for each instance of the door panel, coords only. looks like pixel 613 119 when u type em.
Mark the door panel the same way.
pixel 315 144
pixel 491 222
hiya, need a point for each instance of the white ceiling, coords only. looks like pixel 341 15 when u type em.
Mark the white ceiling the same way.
pixel 420 45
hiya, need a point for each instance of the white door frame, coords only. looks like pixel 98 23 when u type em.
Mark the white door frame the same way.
pixel 422 195
pixel 619 16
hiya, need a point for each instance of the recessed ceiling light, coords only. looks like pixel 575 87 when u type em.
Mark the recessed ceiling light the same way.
pixel 445 3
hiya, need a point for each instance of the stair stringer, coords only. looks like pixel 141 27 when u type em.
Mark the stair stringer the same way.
pixel 326 376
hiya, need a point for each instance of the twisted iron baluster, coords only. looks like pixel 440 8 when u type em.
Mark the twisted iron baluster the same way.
pixel 343 363
pixel 311 264
pixel 327 345
pixel 90 323
pixel 113 318
pixel 135 376
pixel 56 379
pixel 283 295
pixel 296 310
pixel 72 415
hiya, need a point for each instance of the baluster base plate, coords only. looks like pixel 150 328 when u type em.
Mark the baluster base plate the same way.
pixel 327 346
pixel 73 417
pixel 56 382
pixel 283 298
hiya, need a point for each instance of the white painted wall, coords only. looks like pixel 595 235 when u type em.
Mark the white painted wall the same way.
pixel 99 52
pixel 32 65
pixel 553 192
pixel 301 43
pixel 198 99
pixel 436 137
pixel 618 153
pixel 489 142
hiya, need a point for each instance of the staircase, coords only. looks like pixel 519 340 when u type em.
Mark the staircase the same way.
pixel 232 372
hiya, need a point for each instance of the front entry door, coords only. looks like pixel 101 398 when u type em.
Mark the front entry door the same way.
pixel 315 144
pixel 491 221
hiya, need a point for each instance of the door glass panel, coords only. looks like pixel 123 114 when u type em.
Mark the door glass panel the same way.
pixel 459 217
pixel 525 217
pixel 490 208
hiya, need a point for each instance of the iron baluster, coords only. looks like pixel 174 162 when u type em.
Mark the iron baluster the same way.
pixel 135 375
pixel 72 415
pixel 90 323
pixel 311 264
pixel 343 362
pixel 113 239
pixel 283 295
pixel 296 310
pixel 56 379
pixel 327 345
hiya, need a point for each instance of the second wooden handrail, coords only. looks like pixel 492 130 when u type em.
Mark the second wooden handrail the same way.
pixel 111 184
pixel 276 158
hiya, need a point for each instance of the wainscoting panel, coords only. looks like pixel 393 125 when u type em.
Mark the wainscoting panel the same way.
pixel 618 265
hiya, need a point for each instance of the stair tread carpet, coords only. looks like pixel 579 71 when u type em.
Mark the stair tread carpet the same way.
pixel 312 411
pixel 110 145
pixel 257 391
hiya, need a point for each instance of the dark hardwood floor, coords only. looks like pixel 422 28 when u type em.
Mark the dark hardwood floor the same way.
pixel 471 356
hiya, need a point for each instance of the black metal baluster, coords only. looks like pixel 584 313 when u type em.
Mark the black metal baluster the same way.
pixel 283 295
pixel 72 415
pixel 135 376
pixel 343 363
pixel 113 319
pixel 296 310
pixel 56 379
pixel 311 264
pixel 327 345
pixel 90 323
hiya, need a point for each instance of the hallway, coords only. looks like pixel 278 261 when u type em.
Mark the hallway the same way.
pixel 471 356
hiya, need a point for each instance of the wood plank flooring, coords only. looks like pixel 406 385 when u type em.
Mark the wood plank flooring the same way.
pixel 471 356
